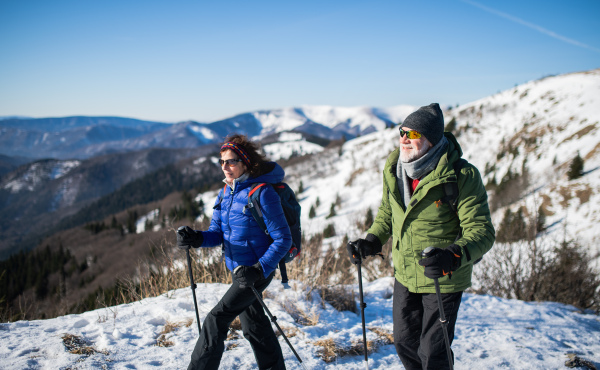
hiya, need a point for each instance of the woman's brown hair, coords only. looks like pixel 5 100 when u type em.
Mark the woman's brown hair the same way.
pixel 258 161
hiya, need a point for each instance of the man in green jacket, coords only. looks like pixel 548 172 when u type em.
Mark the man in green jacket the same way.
pixel 416 211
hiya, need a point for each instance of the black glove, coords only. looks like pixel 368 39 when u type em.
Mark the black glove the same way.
pixel 361 248
pixel 441 262
pixel 247 275
pixel 186 238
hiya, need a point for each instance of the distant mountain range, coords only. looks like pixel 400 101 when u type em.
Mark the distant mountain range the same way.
pixel 84 137
pixel 37 196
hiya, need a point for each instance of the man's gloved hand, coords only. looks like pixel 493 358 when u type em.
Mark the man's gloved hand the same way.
pixel 441 262
pixel 361 248
pixel 247 275
pixel 187 237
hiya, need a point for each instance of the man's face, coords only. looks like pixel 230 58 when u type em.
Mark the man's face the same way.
pixel 413 149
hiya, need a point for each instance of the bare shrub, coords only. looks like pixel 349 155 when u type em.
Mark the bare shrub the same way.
pixel 525 271
pixel 163 272
pixel 509 190
pixel 339 298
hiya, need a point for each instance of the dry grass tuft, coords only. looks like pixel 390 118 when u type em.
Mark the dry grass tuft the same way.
pixel 330 350
pixel 385 337
pixel 170 327
pixel 163 341
pixel 230 346
pixel 79 346
pixel 575 361
pixel 289 331
pixel 300 316
pixel 236 324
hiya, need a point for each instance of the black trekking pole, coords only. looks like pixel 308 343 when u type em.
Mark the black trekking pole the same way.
pixel 193 285
pixel 428 252
pixel 274 320
pixel 363 305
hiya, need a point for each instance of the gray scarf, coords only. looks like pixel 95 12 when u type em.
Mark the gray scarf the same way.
pixel 242 178
pixel 418 168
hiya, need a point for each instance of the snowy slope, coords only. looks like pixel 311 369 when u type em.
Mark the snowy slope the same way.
pixel 541 126
pixel 290 144
pixel 491 333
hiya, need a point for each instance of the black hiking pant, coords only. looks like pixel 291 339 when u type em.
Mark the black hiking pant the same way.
pixel 256 327
pixel 418 333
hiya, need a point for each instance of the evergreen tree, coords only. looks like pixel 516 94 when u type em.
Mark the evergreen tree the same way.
pixel 451 126
pixel 113 223
pixel 312 213
pixel 329 231
pixel 131 220
pixel 576 168
pixel 331 211
pixel 541 220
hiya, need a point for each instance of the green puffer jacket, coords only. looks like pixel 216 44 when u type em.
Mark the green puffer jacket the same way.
pixel 428 222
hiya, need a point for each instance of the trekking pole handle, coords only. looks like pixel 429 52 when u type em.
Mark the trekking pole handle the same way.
pixel 429 252
pixel 357 255
pixel 181 231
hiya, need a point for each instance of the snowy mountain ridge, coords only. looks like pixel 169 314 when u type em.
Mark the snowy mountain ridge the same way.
pixel 85 137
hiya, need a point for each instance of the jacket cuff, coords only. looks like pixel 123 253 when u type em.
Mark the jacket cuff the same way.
pixel 258 265
pixel 375 240
pixel 457 251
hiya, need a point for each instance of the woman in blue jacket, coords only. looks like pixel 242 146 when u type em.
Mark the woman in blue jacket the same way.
pixel 249 253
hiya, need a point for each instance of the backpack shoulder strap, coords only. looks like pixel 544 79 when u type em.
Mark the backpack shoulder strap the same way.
pixel 254 206
pixel 221 196
pixel 451 195
pixel 451 188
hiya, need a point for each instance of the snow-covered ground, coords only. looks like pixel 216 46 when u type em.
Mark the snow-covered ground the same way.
pixel 491 333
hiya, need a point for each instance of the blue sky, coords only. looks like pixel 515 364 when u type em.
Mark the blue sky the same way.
pixel 205 60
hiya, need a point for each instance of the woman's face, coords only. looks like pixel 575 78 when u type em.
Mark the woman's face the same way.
pixel 234 170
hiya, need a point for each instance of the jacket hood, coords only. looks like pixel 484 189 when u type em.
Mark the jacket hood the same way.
pixel 453 153
pixel 274 176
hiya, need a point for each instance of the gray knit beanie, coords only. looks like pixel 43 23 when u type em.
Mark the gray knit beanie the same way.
pixel 428 120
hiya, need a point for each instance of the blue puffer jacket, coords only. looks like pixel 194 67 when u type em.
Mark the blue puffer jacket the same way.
pixel 244 241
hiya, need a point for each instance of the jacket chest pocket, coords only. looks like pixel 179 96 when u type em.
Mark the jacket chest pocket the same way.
pixel 433 206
